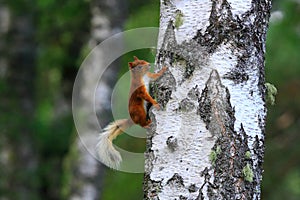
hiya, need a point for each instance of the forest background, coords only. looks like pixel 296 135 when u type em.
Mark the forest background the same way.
pixel 42 45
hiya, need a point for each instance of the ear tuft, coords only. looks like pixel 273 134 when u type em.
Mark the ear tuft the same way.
pixel 135 58
pixel 130 64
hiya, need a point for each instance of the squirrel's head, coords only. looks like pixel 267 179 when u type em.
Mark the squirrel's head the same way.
pixel 138 65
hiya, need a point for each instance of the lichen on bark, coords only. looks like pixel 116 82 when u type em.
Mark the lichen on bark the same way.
pixel 230 144
pixel 215 110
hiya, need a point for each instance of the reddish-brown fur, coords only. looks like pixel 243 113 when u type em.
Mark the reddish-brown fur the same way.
pixel 138 91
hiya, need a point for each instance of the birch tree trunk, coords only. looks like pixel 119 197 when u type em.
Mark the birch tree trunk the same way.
pixel 107 19
pixel 207 141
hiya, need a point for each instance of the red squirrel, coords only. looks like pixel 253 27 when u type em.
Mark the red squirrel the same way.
pixel 138 93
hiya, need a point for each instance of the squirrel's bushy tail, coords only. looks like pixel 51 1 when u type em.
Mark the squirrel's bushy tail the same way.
pixel 108 155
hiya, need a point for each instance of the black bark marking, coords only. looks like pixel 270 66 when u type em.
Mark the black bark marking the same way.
pixel 194 93
pixel 214 106
pixel 155 186
pixel 176 180
pixel 181 197
pixel 207 176
pixel 258 148
pixel 216 111
pixel 192 188
pixel 219 28
pixel 172 143
pixel 151 188
pixel 204 107
pixel 162 88
pixel 192 53
pixel 237 75
pixel 186 105
pixel 232 185
pixel 247 34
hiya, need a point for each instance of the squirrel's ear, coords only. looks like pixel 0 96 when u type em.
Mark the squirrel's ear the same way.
pixel 135 58
pixel 130 64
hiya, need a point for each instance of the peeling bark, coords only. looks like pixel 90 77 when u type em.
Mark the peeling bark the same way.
pixel 208 141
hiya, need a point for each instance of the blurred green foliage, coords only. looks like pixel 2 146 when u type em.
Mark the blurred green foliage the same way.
pixel 60 29
pixel 281 178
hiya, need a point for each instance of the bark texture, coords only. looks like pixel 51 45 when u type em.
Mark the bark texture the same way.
pixel 208 140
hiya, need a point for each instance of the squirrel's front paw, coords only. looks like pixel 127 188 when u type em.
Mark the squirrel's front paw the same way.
pixel 157 106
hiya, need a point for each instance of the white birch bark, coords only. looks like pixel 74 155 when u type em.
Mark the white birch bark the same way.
pixel 208 140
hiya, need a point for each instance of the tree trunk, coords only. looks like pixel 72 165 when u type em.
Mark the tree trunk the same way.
pixel 207 141
pixel 87 174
